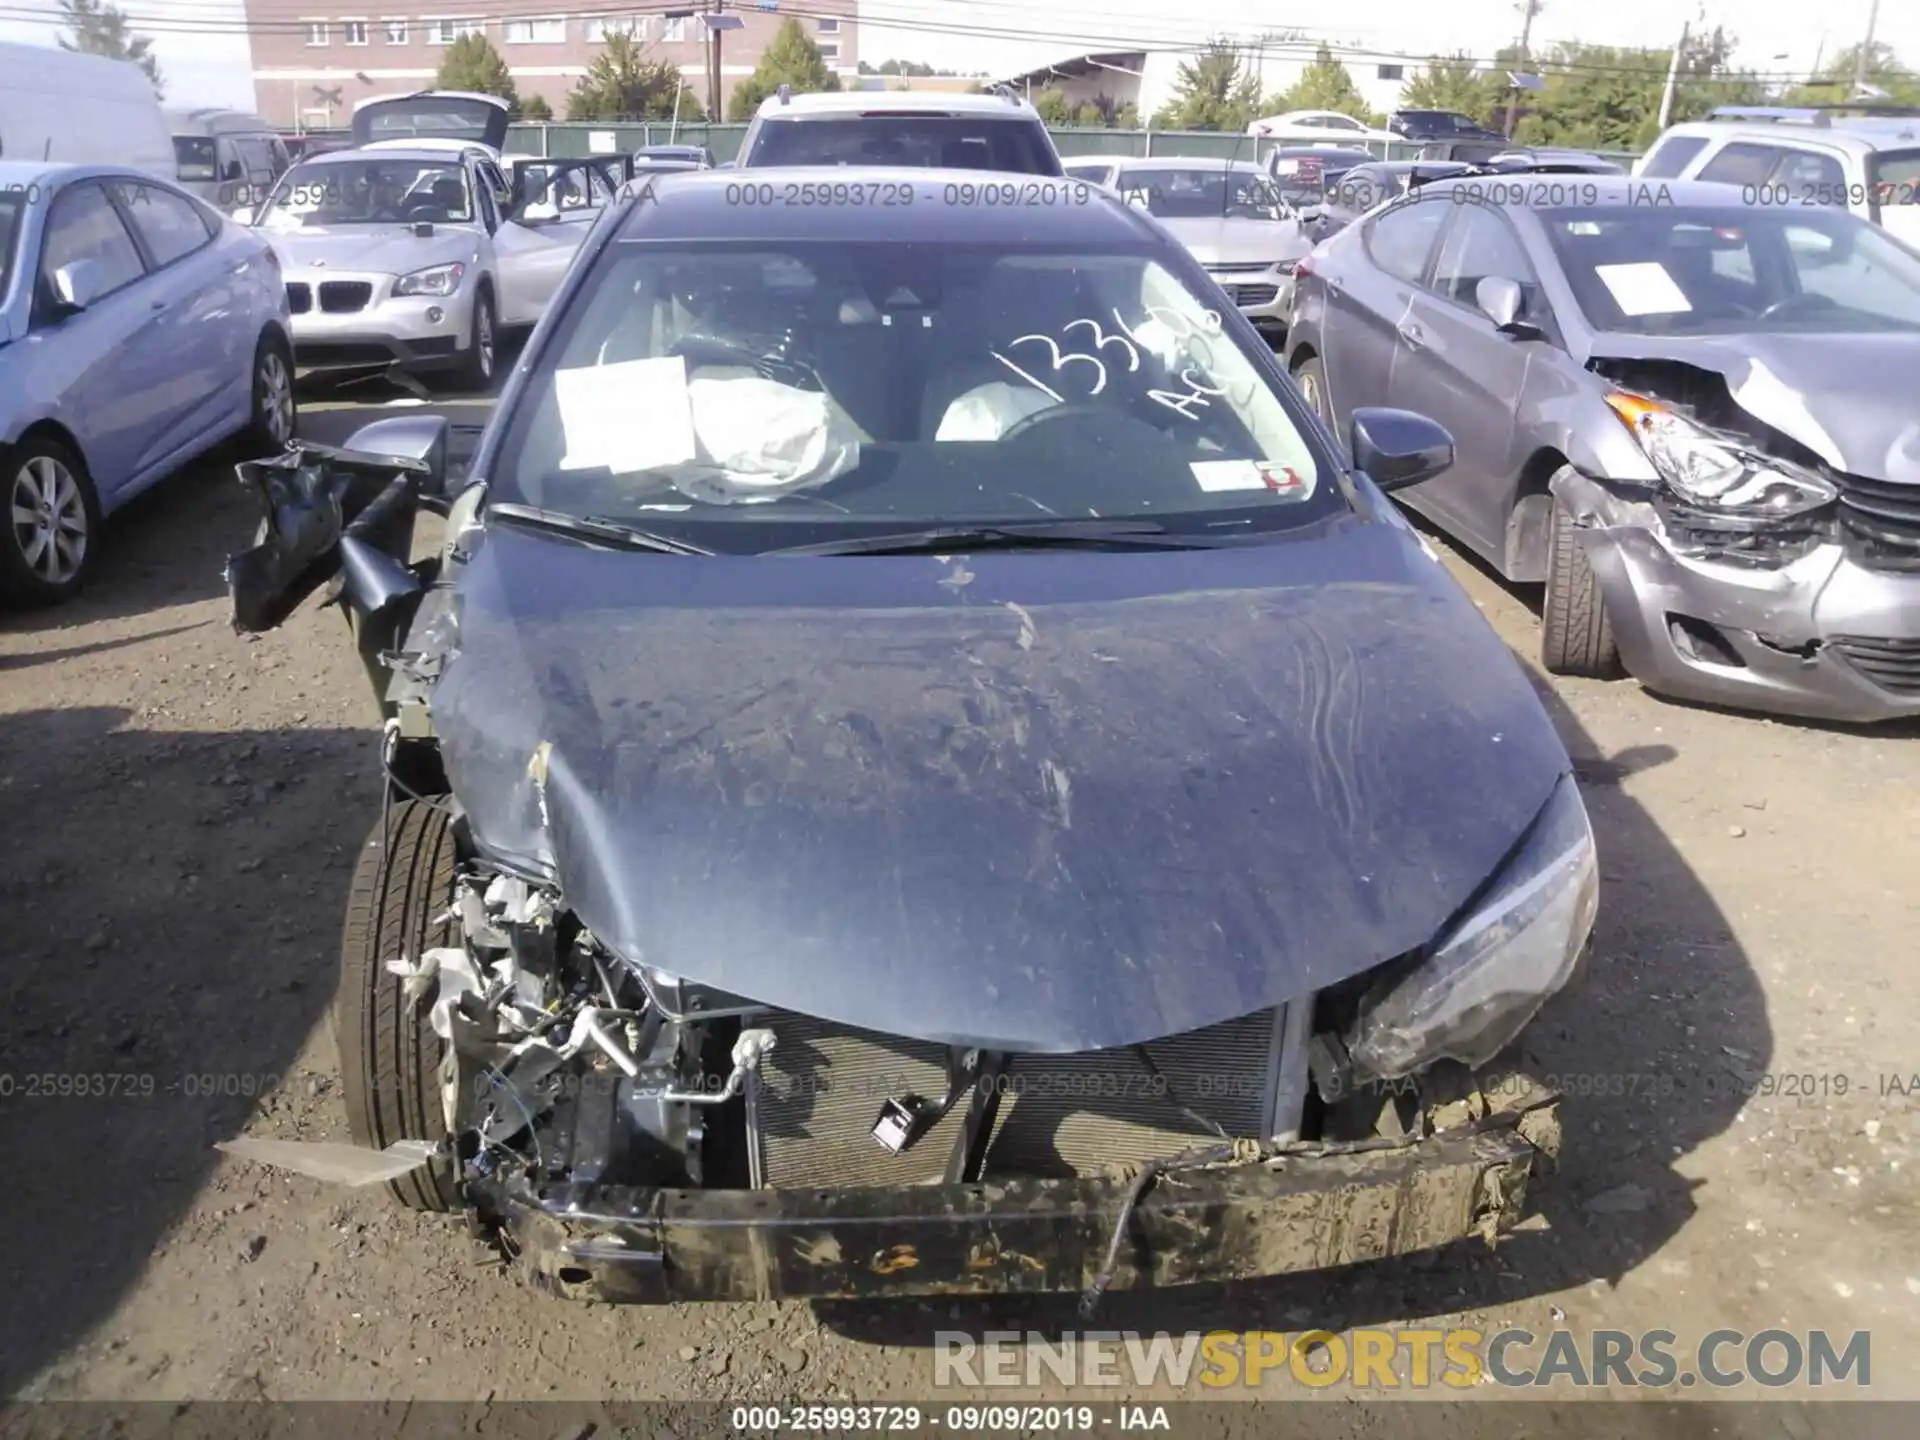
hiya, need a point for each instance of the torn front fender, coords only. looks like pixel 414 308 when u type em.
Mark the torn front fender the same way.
pixel 313 498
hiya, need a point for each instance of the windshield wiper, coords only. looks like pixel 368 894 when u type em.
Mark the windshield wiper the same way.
pixel 957 539
pixel 611 532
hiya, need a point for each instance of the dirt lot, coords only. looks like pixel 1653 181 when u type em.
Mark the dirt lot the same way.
pixel 184 806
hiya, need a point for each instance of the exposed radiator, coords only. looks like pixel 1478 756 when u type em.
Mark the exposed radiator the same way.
pixel 812 1107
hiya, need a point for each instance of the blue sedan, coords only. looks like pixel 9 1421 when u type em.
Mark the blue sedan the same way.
pixel 139 328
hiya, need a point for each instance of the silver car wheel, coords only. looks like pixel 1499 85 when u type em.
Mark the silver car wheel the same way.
pixel 49 519
pixel 1310 392
pixel 276 398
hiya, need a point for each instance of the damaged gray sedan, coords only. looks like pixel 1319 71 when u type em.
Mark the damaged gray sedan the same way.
pixel 1697 421
pixel 915 769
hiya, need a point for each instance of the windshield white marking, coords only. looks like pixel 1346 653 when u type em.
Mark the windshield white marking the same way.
pixel 1057 398
pixel 1060 361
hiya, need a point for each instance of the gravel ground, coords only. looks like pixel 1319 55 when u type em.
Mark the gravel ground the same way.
pixel 185 805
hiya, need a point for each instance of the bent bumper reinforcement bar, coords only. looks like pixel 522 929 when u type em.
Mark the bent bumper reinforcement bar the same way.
pixel 1298 1212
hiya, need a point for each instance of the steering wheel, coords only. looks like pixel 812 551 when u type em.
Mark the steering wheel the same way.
pixel 1052 412
pixel 424 214
pixel 711 350
pixel 1799 300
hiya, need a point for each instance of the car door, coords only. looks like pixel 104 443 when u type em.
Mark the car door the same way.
pixel 1367 295
pixel 108 362
pixel 1455 367
pixel 196 290
pixel 554 206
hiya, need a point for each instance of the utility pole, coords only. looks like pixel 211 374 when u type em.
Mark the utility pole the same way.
pixel 1528 9
pixel 1673 78
pixel 713 68
pixel 1866 49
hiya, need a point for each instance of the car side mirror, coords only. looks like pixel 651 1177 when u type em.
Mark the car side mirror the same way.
pixel 244 215
pixel 421 438
pixel 76 285
pixel 1501 300
pixel 234 171
pixel 1396 448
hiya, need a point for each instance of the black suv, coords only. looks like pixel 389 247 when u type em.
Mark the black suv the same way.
pixel 1439 125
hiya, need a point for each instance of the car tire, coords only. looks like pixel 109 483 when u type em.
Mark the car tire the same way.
pixel 1575 636
pixel 270 428
pixel 389 1054
pixel 46 557
pixel 1311 378
pixel 475 371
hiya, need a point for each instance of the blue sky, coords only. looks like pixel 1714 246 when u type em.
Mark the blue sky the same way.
pixel 212 66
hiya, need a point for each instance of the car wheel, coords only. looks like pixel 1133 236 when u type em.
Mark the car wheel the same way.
pixel 1575 636
pixel 390 1057
pixel 53 523
pixel 1311 376
pixel 271 429
pixel 476 366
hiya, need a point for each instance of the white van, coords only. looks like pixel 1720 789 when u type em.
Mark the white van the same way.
pixel 228 158
pixel 80 109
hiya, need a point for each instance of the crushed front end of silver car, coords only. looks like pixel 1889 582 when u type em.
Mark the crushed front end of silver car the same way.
pixel 825 1083
pixel 1771 560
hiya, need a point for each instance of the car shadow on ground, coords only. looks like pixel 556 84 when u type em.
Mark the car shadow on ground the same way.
pixel 1648 1051
pixel 170 901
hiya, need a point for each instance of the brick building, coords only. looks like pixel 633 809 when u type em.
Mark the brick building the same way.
pixel 302 48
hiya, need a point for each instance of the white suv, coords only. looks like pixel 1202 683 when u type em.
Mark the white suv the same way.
pixel 1858 158
pixel 900 127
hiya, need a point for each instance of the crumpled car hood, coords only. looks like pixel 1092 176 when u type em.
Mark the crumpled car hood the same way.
pixel 378 249
pixel 1854 400
pixel 1233 240
pixel 1037 802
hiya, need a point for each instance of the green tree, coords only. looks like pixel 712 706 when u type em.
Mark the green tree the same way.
pixel 1454 83
pixel 1597 97
pixel 791 58
pixel 1324 85
pixel 471 63
pixel 1834 84
pixel 1053 106
pixel 101 29
pixel 535 107
pixel 1213 91
pixel 621 83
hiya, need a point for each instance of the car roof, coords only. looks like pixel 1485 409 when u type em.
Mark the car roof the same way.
pixel 1859 134
pixel 705 205
pixel 402 150
pixel 17 175
pixel 432 94
pixel 1184 162
pixel 829 104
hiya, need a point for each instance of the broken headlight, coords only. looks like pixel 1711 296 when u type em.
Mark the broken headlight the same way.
pixel 1493 970
pixel 1715 472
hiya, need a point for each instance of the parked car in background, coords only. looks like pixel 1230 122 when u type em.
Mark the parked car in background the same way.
pixel 1366 186
pixel 1305 172
pixel 1859 158
pixel 415 255
pixel 1440 125
pixel 922 129
pixel 471 117
pixel 1551 159
pixel 62 107
pixel 1329 126
pixel 1229 214
pixel 229 158
pixel 698 157
pixel 1693 420
pixel 138 329
pixel 672 847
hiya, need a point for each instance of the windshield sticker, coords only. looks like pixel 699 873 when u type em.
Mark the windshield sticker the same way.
pixel 1215 476
pixel 1643 288
pixel 629 416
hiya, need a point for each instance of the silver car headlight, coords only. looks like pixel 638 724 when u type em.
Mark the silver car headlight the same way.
pixel 434 280
pixel 1715 472
pixel 1493 970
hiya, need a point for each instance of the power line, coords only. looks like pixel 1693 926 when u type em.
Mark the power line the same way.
pixel 874 15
